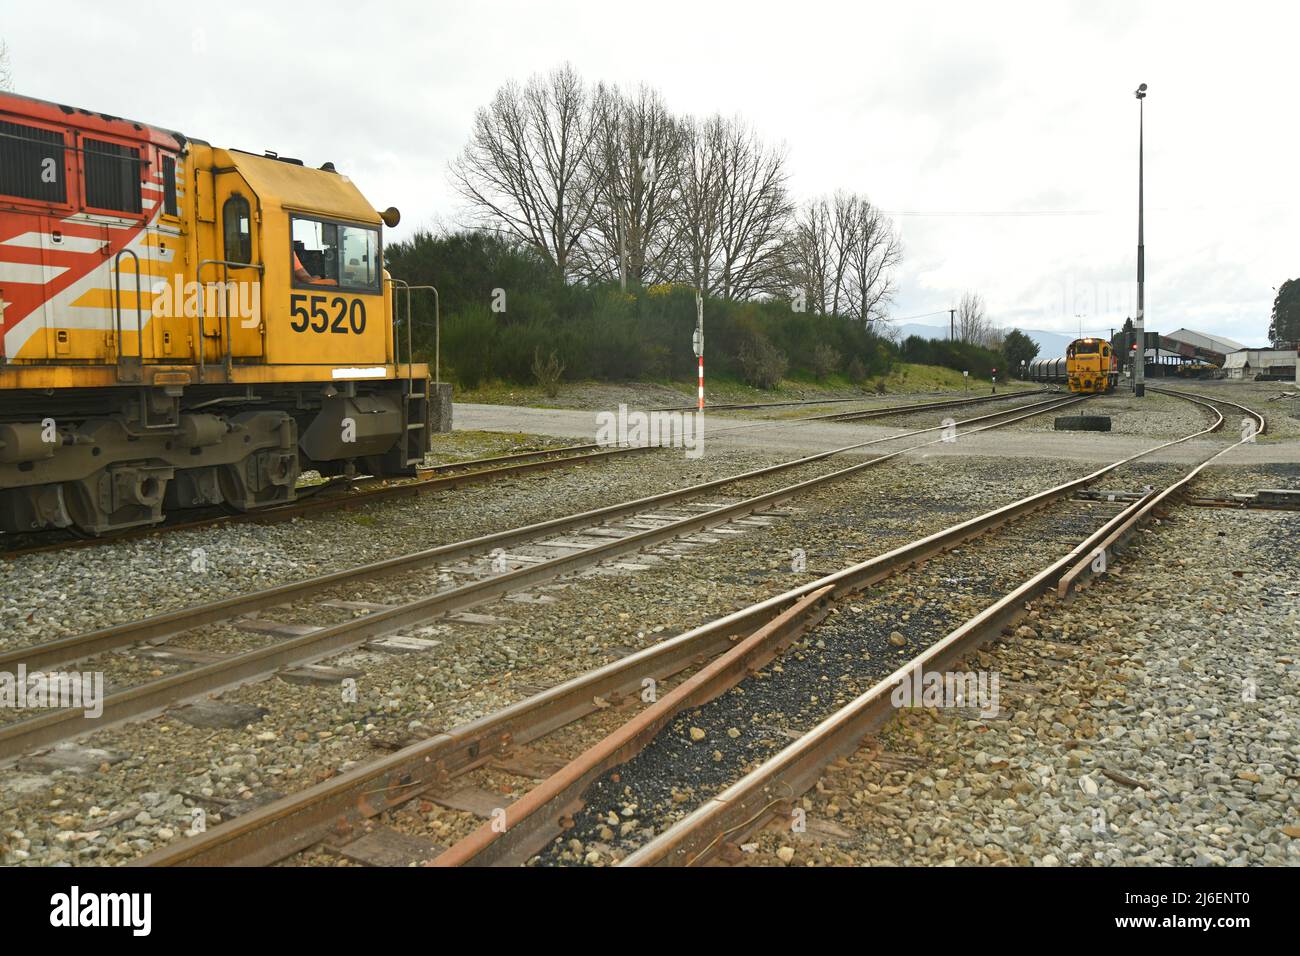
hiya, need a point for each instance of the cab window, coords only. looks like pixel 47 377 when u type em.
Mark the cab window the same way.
pixel 359 259
pixel 237 233
pixel 334 254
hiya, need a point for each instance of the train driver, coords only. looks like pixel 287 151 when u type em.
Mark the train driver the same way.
pixel 302 275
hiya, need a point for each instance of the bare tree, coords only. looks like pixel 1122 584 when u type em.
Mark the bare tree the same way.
pixel 808 253
pixel 972 323
pixel 6 71
pixel 611 185
pixel 697 232
pixel 844 231
pixel 636 165
pixel 526 171
pixel 874 253
pixel 753 213
pixel 841 252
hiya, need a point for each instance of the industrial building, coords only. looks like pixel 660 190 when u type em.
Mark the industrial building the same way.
pixel 1261 363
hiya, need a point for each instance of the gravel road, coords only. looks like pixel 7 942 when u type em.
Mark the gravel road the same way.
pixel 1136 425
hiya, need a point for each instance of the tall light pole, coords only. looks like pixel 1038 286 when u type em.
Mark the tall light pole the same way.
pixel 1139 326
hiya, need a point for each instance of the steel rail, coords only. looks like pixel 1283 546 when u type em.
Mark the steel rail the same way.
pixel 341 805
pixel 337 806
pixel 517 464
pixel 143 699
pixel 558 795
pixel 881 412
pixel 77 647
pixel 1085 569
pixel 534 819
pixel 749 803
pixel 925 406
pixel 735 406
pixel 1204 399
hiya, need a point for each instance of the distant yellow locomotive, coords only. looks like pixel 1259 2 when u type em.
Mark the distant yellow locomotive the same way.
pixel 184 325
pixel 1089 367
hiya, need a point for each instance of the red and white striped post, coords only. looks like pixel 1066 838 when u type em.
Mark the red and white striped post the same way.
pixel 699 342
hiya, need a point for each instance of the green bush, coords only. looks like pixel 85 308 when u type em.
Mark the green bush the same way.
pixel 762 364
pixel 825 360
pixel 600 332
pixel 469 345
pixel 958 356
pixel 548 372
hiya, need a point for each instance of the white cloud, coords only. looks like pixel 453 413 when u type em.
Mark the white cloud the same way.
pixel 947 107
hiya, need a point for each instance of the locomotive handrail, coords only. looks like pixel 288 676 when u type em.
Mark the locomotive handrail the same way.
pixel 226 266
pixel 117 311
pixel 410 350
pixel 397 339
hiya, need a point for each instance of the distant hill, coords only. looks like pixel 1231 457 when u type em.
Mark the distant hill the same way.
pixel 1050 344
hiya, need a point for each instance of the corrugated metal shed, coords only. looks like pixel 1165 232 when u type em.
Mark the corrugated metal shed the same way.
pixel 1204 340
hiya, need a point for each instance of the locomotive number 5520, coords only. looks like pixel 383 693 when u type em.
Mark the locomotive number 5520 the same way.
pixel 321 313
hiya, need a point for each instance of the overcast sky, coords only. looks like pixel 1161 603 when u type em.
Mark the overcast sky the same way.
pixel 945 112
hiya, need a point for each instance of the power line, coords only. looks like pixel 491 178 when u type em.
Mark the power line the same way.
pixel 998 213
pixel 923 315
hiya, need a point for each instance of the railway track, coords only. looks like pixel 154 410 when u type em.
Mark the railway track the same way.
pixel 351 494
pixel 765 791
pixel 344 808
pixel 621 773
pixel 303 636
pixel 726 651
pixel 869 413
pixel 894 411
pixel 737 406
pixel 348 494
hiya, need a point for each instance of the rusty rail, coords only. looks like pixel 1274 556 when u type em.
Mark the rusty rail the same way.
pixel 748 804
pixel 140 700
pixel 435 478
pixel 339 805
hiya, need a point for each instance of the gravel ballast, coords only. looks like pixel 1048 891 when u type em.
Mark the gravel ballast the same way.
pixel 306 733
pixel 1152 721
pixel 153 776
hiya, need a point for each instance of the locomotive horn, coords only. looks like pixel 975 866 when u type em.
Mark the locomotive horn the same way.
pixel 391 217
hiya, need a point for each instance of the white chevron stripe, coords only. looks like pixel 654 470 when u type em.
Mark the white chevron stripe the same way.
pixel 29 274
pixel 32 240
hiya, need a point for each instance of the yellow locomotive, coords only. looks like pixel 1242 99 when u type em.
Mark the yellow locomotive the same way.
pixel 185 325
pixel 1089 367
